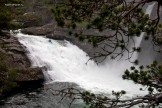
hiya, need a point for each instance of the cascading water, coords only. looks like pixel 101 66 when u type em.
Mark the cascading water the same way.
pixel 65 62
pixel 138 40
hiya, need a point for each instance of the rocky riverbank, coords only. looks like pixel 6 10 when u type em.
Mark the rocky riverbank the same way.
pixel 15 67
pixel 37 19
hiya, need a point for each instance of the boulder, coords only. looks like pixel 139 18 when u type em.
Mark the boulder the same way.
pixel 42 30
pixel 30 74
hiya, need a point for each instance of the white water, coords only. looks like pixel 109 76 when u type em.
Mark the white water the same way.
pixel 66 63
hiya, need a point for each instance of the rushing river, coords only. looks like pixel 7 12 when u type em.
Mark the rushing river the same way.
pixel 65 62
pixel 67 65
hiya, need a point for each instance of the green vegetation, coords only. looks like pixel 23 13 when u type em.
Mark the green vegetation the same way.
pixel 122 21
pixel 8 74
pixel 5 18
pixel 9 82
pixel 7 13
pixel 29 17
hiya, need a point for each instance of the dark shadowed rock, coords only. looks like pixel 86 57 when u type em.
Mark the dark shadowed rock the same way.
pixel 30 74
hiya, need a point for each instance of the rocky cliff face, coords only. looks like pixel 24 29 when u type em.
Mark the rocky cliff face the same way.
pixel 36 14
pixel 15 67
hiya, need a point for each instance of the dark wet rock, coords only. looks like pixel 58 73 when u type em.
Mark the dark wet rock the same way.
pixel 6 33
pixel 16 50
pixel 30 74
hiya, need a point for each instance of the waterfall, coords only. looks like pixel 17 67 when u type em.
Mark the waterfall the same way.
pixel 66 62
pixel 138 40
